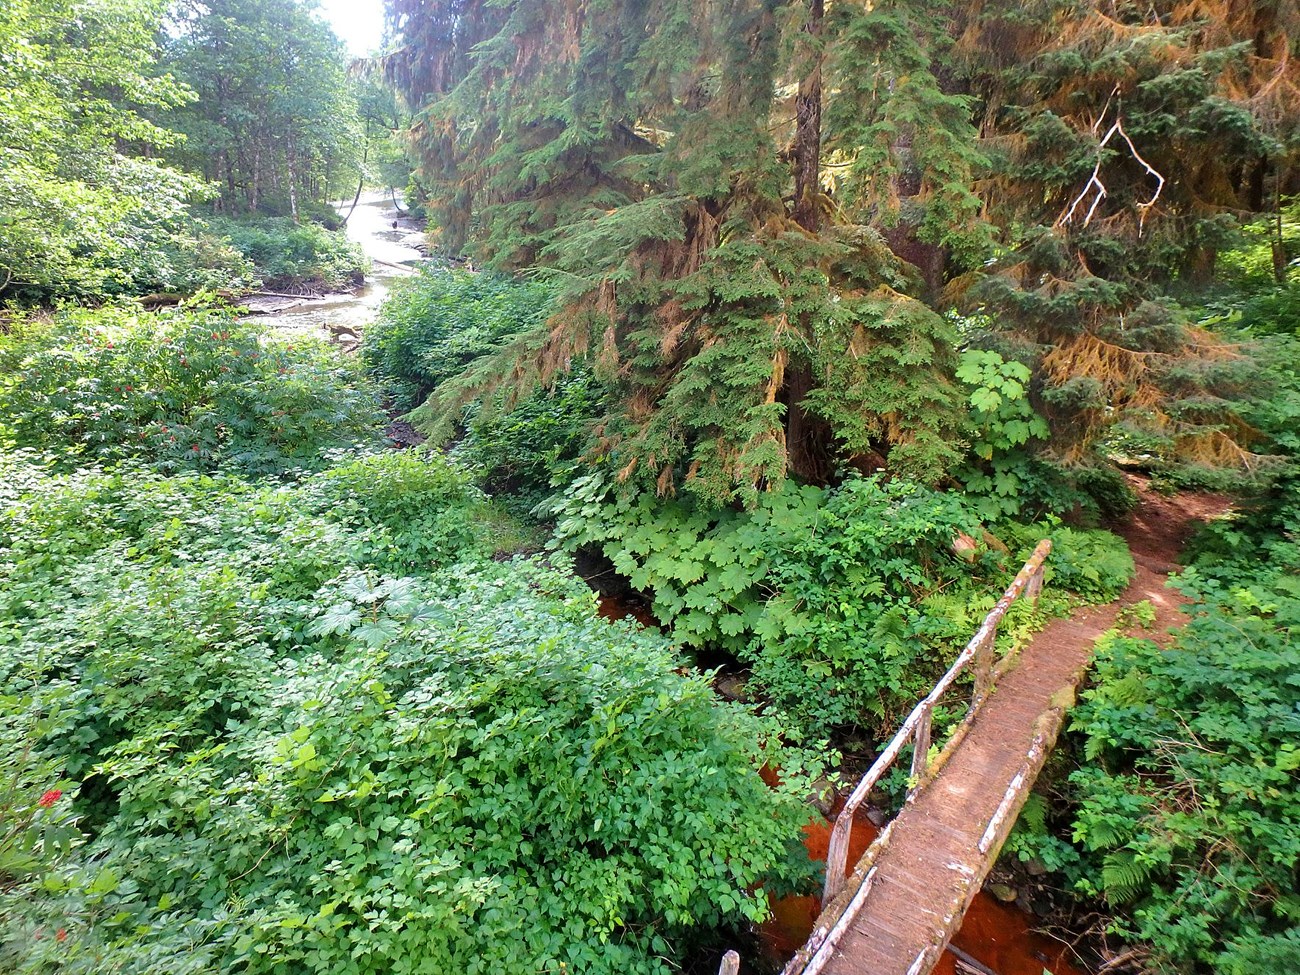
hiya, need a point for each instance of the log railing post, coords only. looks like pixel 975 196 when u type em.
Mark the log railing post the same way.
pixel 984 664
pixel 730 964
pixel 837 857
pixel 921 746
pixel 1035 587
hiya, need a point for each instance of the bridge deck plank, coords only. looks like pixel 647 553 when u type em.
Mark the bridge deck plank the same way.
pixel 924 875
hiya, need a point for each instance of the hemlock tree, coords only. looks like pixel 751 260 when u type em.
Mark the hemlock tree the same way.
pixel 757 209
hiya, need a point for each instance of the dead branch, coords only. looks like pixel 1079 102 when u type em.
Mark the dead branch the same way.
pixel 1098 188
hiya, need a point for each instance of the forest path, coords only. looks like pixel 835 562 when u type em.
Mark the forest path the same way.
pixel 908 900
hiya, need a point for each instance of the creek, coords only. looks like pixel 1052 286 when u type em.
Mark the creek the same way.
pixel 392 251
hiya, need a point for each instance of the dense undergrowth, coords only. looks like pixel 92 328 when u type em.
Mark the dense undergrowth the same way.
pixel 1181 813
pixel 845 602
pixel 285 253
pixel 189 391
pixel 312 724
pixel 277 700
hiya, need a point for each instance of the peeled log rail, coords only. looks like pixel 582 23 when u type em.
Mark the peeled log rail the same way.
pixel 916 728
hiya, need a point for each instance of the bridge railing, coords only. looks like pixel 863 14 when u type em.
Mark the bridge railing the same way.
pixel 979 654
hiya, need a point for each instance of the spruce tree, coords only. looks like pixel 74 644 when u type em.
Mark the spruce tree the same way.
pixel 1127 143
pixel 758 211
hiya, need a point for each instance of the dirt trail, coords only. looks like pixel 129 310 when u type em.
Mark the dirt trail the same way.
pixel 1157 531
pixel 924 878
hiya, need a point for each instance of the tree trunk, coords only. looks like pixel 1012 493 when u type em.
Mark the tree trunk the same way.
pixel 361 177
pixel 256 188
pixel 808 438
pixel 230 177
pixel 808 128
pixel 1281 259
pixel 293 178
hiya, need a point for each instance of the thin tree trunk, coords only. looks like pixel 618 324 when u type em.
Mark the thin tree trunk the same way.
pixel 256 189
pixel 1281 260
pixel 361 177
pixel 230 177
pixel 293 179
pixel 807 437
pixel 808 128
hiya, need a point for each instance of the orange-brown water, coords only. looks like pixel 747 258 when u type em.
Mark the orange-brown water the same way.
pixel 995 934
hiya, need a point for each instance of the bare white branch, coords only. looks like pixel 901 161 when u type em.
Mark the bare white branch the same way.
pixel 1098 189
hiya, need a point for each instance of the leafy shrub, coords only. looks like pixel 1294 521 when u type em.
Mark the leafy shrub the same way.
pixel 1274 312
pixel 1095 564
pixel 416 501
pixel 195 391
pixel 847 602
pixel 287 757
pixel 1189 816
pixel 520 452
pixel 285 253
pixel 438 322
pixel 1007 477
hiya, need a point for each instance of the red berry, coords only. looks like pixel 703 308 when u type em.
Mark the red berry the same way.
pixel 49 798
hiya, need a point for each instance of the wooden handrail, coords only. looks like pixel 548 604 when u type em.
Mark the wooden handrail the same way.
pixel 916 728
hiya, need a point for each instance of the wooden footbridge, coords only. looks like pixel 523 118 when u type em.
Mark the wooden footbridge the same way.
pixel 894 912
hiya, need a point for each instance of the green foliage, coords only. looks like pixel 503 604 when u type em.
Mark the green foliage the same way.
pixel 302 743
pixel 387 502
pixel 1267 255
pixel 743 336
pixel 846 602
pixel 191 391
pixel 436 324
pixel 1275 311
pixel 85 205
pixel 758 213
pixel 1095 564
pixel 286 253
pixel 274 127
pixel 36 823
pixel 1003 423
pixel 520 452
pixel 1188 815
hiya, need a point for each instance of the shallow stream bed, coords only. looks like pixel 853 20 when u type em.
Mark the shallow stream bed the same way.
pixel 393 250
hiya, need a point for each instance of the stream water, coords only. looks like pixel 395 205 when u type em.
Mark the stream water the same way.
pixel 391 249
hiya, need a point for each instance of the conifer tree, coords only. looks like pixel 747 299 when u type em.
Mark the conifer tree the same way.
pixel 758 209
pixel 1127 143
